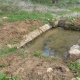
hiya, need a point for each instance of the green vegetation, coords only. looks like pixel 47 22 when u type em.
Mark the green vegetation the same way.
pixel 23 53
pixel 3 76
pixel 33 27
pixel 14 13
pixel 6 50
pixel 22 15
pixel 15 40
pixel 75 67
pixel 2 65
pixel 36 53
pixel 67 3
pixel 62 12
pixel 44 2
pixel 77 9
pixel 8 6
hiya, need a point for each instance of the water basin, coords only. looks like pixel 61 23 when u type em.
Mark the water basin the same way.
pixel 55 42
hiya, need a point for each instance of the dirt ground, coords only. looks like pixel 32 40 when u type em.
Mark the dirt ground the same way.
pixel 35 68
pixel 12 32
pixel 77 20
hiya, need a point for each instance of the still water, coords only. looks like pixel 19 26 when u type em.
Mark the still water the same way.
pixel 55 42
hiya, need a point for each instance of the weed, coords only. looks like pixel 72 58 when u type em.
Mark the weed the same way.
pixel 36 79
pixel 75 67
pixel 15 40
pixel 23 54
pixel 38 54
pixel 6 50
pixel 2 65
pixel 33 27
pixel 3 76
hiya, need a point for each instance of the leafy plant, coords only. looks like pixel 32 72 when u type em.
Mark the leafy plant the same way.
pixel 36 53
pixel 75 67
pixel 3 76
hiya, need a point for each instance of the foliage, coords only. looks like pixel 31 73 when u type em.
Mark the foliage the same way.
pixel 75 67
pixel 6 50
pixel 38 54
pixel 3 76
pixel 23 53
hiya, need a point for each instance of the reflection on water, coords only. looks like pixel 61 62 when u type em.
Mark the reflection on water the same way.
pixel 55 42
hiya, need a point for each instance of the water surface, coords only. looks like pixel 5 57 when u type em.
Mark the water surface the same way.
pixel 55 42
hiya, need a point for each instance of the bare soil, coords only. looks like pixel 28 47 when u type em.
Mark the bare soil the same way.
pixel 35 68
pixel 14 31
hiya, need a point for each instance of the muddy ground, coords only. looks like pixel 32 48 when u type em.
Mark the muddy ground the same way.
pixel 26 65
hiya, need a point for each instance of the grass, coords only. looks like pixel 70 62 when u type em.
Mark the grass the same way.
pixel 63 12
pixel 67 3
pixel 23 53
pixel 75 67
pixel 76 9
pixel 22 15
pixel 15 40
pixel 33 27
pixel 6 50
pixel 44 2
pixel 37 54
pixel 2 65
pixel 3 76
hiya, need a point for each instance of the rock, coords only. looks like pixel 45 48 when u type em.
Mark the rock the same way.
pixel 74 54
pixel 78 60
pixel 52 24
pixel 61 23
pixel 56 23
pixel 75 47
pixel 72 26
pixel 9 45
pixel 4 18
pixel 49 70
pixel 79 42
